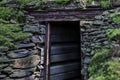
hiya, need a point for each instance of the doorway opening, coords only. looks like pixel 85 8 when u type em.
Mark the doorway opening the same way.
pixel 65 54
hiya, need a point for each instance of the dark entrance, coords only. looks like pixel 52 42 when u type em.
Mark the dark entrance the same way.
pixel 65 51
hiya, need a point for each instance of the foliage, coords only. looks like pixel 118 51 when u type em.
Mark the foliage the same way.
pixel 103 67
pixel 2 2
pixel 99 57
pixel 105 4
pixel 5 42
pixel 113 33
pixel 61 1
pixel 115 18
pixel 9 13
pixel 23 3
pixel 9 33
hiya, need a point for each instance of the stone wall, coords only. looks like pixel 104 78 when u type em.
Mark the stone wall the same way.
pixel 93 36
pixel 24 63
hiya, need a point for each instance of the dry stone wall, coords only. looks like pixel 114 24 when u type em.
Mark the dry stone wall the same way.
pixel 93 36
pixel 24 63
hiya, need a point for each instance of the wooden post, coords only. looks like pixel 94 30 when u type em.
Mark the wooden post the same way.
pixel 47 53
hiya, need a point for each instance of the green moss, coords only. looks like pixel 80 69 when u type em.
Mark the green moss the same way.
pixel 24 3
pixel 5 42
pixel 61 1
pixel 3 21
pixel 9 13
pixel 99 57
pixel 108 71
pixel 115 18
pixel 3 2
pixel 10 33
pixel 113 33
pixel 105 3
pixel 103 67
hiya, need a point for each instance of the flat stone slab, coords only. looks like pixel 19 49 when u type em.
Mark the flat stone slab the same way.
pixel 32 29
pixel 35 39
pixel 18 54
pixel 2 49
pixel 2 66
pixel 24 46
pixel 20 74
pixel 4 59
pixel 25 63
pixel 2 76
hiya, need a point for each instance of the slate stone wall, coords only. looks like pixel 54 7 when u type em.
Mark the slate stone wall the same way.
pixel 25 62
pixel 93 35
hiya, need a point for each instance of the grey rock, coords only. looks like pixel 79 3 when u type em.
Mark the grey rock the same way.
pixel 3 48
pixel 25 63
pixel 87 60
pixel 97 23
pixel 105 13
pixel 99 17
pixel 32 29
pixel 83 71
pixel 42 29
pixel 35 39
pixel 20 74
pixel 2 76
pixel 4 59
pixel 11 5
pixel 2 66
pixel 23 46
pixel 7 71
pixel 18 54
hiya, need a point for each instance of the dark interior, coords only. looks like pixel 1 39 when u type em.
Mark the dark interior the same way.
pixel 65 51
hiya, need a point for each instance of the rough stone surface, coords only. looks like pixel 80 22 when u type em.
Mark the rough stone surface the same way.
pixel 20 74
pixel 28 62
pixel 24 62
pixel 18 54
pixel 23 46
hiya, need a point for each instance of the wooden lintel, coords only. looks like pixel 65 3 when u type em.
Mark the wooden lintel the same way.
pixel 66 15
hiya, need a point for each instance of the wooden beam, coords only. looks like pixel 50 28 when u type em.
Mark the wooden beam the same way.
pixel 47 53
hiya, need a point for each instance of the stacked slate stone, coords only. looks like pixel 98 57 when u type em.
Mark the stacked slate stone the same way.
pixel 85 47
pixel 24 63
pixel 94 36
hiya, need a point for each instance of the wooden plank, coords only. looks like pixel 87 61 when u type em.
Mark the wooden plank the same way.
pixel 64 68
pixel 62 76
pixel 60 49
pixel 65 57
pixel 66 15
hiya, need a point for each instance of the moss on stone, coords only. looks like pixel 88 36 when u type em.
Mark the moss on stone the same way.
pixel 115 18
pixel 105 4
pixel 61 1
pixel 3 2
pixel 10 33
pixel 6 42
pixel 26 3
pixel 8 14
pixel 113 33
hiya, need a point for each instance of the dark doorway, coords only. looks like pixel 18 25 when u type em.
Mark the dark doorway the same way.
pixel 65 55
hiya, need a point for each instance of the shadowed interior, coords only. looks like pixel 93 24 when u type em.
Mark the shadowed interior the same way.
pixel 65 51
